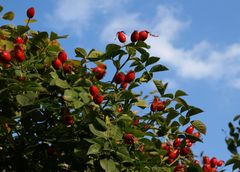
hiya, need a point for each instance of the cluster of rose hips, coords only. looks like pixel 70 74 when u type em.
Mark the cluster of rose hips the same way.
pixel 18 52
pixel 180 146
pixel 135 36
pixel 210 165
pixel 59 62
pixel 124 80
pixel 157 105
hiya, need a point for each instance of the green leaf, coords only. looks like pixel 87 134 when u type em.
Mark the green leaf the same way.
pixel 77 104
pixel 1 8
pixel 183 120
pixel 30 21
pixel 80 52
pixel 26 99
pixel 236 118
pixel 142 44
pixel 94 149
pixel 22 29
pixel 142 51
pixel 180 93
pixel 139 68
pixel 108 165
pixel 182 102
pixel 124 117
pixel 152 60
pixel 199 126
pixel 70 95
pixel 54 36
pixel 102 123
pixel 94 54
pixel 8 16
pixel 141 103
pixel 59 83
pixel 160 86
pixel 158 68
pixel 112 47
pixel 97 132
pixel 195 168
pixel 194 111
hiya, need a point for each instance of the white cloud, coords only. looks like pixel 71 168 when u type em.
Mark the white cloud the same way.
pixel 77 15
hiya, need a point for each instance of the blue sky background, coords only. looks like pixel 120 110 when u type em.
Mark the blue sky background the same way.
pixel 198 40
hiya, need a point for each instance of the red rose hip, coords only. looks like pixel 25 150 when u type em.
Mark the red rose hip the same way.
pixel 130 76
pixel 30 12
pixel 57 64
pixel 121 36
pixel 93 90
pixel 135 36
pixel 143 35
pixel 119 78
pixel 62 55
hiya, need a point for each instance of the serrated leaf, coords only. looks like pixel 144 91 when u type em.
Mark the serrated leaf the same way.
pixel 199 126
pixel 8 16
pixel 158 68
pixel 108 165
pixel 80 52
pixel 22 29
pixel 152 60
pixel 94 149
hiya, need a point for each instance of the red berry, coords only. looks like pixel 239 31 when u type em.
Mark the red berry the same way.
pixel 102 65
pixel 19 55
pixel 30 12
pixel 130 76
pixel 185 151
pixel 121 36
pixel 179 168
pixel 62 55
pixel 135 36
pixel 67 68
pixel 120 109
pixel 6 56
pixel 99 72
pixel 68 119
pixel 19 40
pixel 177 142
pixel 161 106
pixel 197 135
pixel 190 129
pixel 136 121
pixel 93 90
pixel 207 168
pixel 119 78
pixel 98 99
pixel 220 163
pixel 170 160
pixel 214 162
pixel 57 64
pixel 206 160
pixel 21 78
pixel 188 143
pixel 124 85
pixel 174 154
pixel 128 139
pixel 143 35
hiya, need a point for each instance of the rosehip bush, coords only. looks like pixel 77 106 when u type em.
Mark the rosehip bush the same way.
pixel 61 114
pixel 233 143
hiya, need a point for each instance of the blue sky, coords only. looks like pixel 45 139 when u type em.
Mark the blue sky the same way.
pixel 198 40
